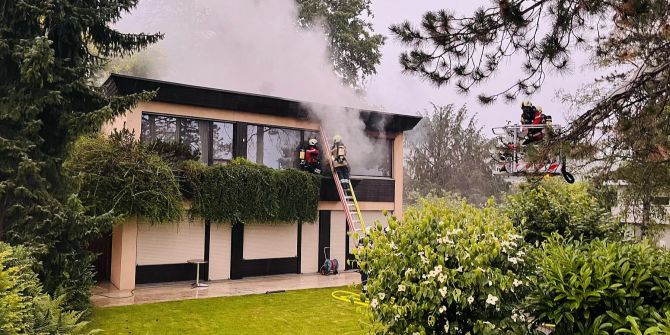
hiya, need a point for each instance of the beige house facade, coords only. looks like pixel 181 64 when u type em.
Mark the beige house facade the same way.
pixel 224 125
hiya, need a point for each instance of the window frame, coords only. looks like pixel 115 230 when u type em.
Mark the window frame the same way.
pixel 391 143
pixel 390 138
pixel 210 131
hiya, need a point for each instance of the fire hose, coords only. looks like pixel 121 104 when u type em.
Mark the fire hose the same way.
pixel 351 297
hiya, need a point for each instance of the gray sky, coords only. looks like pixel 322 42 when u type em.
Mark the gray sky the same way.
pixel 253 46
pixel 405 93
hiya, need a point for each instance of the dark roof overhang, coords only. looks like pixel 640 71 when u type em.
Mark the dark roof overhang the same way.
pixel 176 93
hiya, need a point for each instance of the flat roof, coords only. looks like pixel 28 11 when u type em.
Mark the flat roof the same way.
pixel 178 93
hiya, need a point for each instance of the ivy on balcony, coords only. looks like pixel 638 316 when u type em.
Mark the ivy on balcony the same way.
pixel 244 192
pixel 121 176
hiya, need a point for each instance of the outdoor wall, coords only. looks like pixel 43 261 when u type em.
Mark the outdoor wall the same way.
pixel 338 235
pixel 219 251
pixel 398 159
pixel 170 243
pixel 145 246
pixel 309 253
pixel 369 218
pixel 124 242
pixel 338 231
pixel 664 237
pixel 270 241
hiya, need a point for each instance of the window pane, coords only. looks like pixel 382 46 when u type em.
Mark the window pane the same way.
pixel 252 144
pixel 374 160
pixel 165 128
pixel 280 147
pixel 189 134
pixel 222 135
pixel 145 129
pixel 273 147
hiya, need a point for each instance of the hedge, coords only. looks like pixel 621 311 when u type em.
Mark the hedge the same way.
pixel 120 175
pixel 243 192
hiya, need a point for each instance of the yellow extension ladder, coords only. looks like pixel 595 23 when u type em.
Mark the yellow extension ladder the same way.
pixel 347 196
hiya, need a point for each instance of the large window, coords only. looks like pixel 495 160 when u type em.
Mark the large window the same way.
pixel 371 159
pixel 273 147
pixel 193 133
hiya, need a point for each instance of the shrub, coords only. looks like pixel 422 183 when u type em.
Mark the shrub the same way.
pixel 553 206
pixel 243 192
pixel 119 175
pixel 446 267
pixel 24 309
pixel 173 153
pixel 600 287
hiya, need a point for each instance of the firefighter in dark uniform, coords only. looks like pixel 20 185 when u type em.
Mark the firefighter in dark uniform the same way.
pixel 532 115
pixel 339 155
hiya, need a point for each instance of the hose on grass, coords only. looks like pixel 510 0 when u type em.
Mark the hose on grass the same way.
pixel 351 297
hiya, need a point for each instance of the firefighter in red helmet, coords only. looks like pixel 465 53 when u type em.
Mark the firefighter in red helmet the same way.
pixel 310 157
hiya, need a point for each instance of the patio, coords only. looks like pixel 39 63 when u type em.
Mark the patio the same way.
pixel 106 295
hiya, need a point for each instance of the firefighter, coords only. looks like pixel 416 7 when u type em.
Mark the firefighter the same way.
pixel 527 112
pixel 338 154
pixel 309 157
pixel 536 133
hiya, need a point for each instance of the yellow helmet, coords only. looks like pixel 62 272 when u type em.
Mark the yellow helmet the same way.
pixel 526 103
pixel 337 139
pixel 538 108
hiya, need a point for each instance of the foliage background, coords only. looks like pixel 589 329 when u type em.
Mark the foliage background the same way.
pixel 447 153
pixel 24 308
pixel 552 206
pixel 600 287
pixel 48 51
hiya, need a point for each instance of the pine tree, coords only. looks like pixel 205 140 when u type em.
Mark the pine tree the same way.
pixel 631 34
pixel 49 51
pixel 625 129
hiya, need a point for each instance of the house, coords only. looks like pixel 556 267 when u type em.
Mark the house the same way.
pixel 224 125
pixel 630 214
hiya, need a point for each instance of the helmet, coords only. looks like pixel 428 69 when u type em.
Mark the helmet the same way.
pixel 538 108
pixel 337 139
pixel 312 141
pixel 526 103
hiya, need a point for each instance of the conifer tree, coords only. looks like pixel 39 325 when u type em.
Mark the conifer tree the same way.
pixel 632 35
pixel 49 51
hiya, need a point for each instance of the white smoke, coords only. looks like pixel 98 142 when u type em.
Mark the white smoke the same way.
pixel 253 46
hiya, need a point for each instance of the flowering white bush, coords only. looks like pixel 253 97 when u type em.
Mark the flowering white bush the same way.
pixel 446 268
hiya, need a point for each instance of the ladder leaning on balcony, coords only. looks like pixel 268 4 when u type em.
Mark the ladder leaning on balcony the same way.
pixel 347 196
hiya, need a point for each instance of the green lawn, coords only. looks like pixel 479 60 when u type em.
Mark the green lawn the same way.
pixel 293 312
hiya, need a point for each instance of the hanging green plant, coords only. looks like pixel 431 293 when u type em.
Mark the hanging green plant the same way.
pixel 119 175
pixel 244 192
